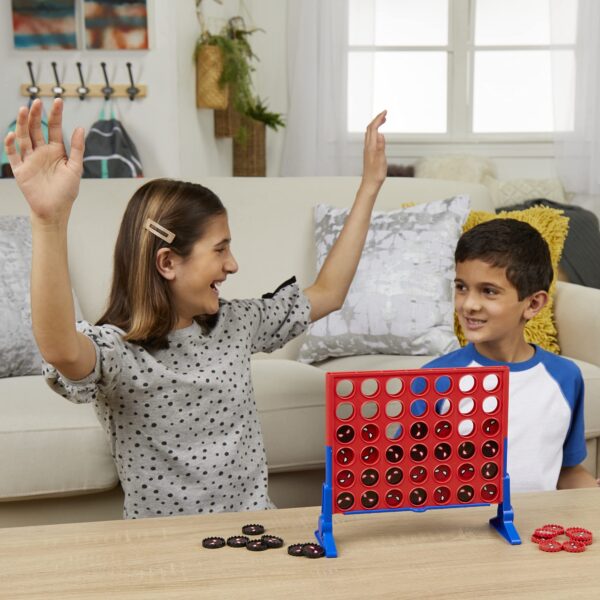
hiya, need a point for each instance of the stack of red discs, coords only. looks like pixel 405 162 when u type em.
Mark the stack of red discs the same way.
pixel 546 537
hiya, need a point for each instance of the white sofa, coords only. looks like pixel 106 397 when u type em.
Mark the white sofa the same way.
pixel 54 461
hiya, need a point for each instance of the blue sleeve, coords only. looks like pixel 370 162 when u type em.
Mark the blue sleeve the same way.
pixel 568 376
pixel 574 450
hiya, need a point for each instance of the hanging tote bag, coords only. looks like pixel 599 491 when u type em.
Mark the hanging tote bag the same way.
pixel 109 151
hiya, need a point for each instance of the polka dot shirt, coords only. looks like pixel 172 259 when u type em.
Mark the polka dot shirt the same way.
pixel 182 422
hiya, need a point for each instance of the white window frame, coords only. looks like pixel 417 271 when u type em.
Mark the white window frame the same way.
pixel 461 57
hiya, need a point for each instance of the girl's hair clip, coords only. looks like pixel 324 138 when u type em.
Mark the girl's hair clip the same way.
pixel 159 231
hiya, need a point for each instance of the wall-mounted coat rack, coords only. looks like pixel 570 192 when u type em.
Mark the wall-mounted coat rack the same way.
pixel 83 90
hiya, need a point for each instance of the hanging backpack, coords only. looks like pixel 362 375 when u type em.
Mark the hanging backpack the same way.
pixel 5 169
pixel 109 151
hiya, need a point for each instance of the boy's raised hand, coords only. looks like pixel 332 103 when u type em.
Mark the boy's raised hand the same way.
pixel 48 178
pixel 374 160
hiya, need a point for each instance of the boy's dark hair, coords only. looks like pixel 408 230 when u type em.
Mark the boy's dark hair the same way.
pixel 513 245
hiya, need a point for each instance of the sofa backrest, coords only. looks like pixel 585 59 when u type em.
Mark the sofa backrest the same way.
pixel 271 221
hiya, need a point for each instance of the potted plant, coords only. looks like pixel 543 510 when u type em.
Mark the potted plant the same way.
pixel 224 82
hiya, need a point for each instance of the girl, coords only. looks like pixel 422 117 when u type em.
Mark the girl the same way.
pixel 168 364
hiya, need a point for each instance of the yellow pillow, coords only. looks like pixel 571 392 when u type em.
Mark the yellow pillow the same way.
pixel 553 226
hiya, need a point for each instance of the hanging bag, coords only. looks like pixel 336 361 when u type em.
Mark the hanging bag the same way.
pixel 109 151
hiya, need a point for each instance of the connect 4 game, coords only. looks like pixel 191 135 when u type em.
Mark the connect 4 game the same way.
pixel 416 440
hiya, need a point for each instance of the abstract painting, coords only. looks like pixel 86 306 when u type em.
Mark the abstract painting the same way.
pixel 44 24
pixel 116 24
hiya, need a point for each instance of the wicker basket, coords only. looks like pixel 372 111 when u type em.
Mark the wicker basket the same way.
pixel 209 66
pixel 227 122
pixel 249 154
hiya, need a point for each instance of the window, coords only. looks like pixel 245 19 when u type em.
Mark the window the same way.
pixel 462 69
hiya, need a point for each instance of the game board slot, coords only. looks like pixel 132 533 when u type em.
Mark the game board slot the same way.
pixel 369 432
pixel 345 478
pixel 490 448
pixel 490 426
pixel 418 474
pixel 369 455
pixel 344 456
pixel 443 429
pixel 394 386
pixel 466 450
pixel 345 501
pixel 466 405
pixel 418 407
pixel 441 495
pixel 394 454
pixel 344 388
pixel 418 452
pixel 344 411
pixel 369 499
pixel 443 406
pixel 442 473
pixel 489 492
pixel 419 430
pixel 369 410
pixel 393 498
pixel 465 494
pixel 419 385
pixel 442 451
pixel 369 388
pixel 369 477
pixel 394 475
pixel 443 384
pixel 466 383
pixel 490 404
pixel 491 382
pixel 394 409
pixel 345 434
pixel 466 428
pixel 465 472
pixel 417 496
pixel 393 431
pixel 489 470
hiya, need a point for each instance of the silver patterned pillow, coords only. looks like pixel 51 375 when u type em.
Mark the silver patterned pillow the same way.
pixel 401 299
pixel 18 352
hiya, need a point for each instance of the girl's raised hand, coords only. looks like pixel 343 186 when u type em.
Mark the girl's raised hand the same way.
pixel 48 178
pixel 374 160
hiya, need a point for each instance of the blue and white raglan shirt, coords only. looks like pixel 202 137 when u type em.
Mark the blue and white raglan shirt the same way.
pixel 545 415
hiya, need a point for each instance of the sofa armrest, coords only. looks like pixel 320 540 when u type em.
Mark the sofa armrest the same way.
pixel 577 314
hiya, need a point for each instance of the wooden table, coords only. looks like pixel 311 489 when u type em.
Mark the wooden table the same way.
pixel 437 554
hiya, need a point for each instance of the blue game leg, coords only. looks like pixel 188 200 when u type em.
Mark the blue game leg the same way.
pixel 324 533
pixel 503 522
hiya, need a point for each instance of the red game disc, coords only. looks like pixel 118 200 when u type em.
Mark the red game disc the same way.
pixel 550 546
pixel 545 534
pixel 579 534
pixel 558 529
pixel 573 546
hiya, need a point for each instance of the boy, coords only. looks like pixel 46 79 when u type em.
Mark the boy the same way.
pixel 503 273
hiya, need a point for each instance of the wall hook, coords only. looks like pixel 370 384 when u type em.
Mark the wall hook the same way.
pixel 58 90
pixel 33 90
pixel 82 90
pixel 107 90
pixel 132 91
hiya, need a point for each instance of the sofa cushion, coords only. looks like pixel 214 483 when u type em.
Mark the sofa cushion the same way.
pixel 49 447
pixel 553 227
pixel 400 301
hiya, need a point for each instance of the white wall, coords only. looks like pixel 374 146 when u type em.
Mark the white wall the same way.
pixel 173 137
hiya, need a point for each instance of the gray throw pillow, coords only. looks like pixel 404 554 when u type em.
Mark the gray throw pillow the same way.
pixel 401 299
pixel 19 354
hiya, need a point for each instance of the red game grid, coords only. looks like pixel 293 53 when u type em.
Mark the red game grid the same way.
pixel 417 439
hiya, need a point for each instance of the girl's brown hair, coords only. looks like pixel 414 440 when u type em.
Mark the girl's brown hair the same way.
pixel 140 301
